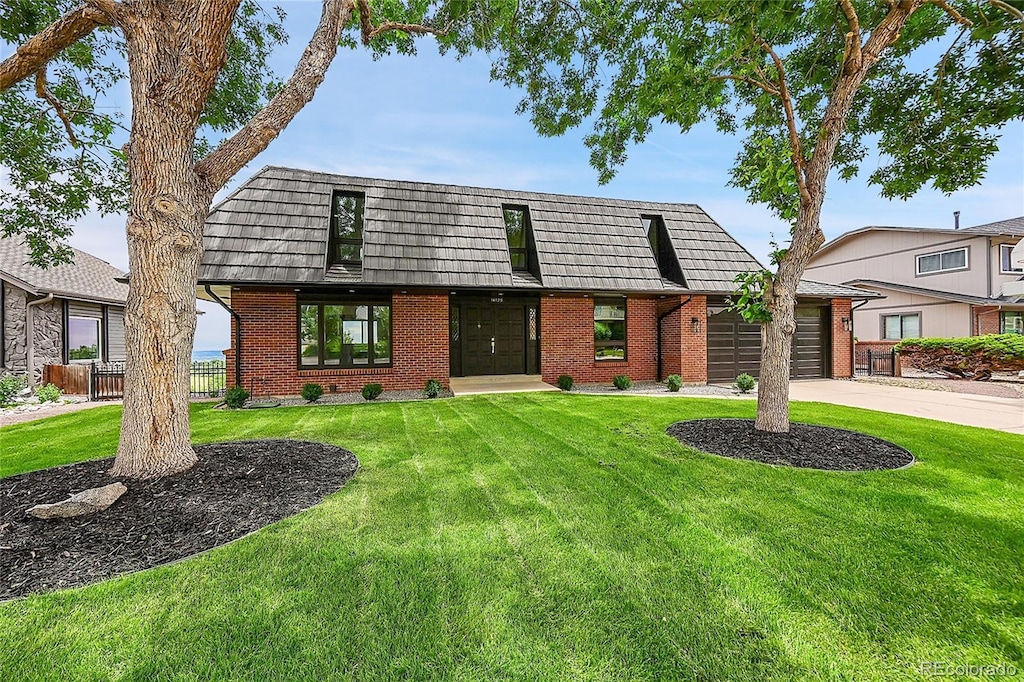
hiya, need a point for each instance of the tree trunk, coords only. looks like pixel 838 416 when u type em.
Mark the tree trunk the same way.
pixel 773 383
pixel 169 204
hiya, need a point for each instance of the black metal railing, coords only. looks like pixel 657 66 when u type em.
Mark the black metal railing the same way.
pixel 881 363
pixel 206 380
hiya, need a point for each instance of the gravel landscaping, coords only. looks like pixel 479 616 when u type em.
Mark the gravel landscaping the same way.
pixel 996 389
pixel 235 489
pixel 805 446
pixel 653 387
pixel 343 399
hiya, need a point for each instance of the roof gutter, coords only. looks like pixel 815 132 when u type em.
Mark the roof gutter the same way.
pixel 661 318
pixel 853 344
pixel 238 332
pixel 30 340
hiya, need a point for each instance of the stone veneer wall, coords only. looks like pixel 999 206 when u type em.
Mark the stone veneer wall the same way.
pixel 48 335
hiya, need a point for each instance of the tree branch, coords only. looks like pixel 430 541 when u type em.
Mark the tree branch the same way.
pixel 799 164
pixel 1009 9
pixel 43 93
pixel 370 31
pixel 45 45
pixel 227 159
pixel 948 9
pixel 748 80
pixel 852 56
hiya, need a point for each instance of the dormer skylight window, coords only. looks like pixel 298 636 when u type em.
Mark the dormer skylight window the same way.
pixel 520 236
pixel 661 248
pixel 346 240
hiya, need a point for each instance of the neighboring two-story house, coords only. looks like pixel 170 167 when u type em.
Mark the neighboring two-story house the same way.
pixel 345 281
pixel 936 282
pixel 61 315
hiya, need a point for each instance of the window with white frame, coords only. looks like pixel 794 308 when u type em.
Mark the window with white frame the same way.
pixel 904 326
pixel 1005 263
pixel 944 261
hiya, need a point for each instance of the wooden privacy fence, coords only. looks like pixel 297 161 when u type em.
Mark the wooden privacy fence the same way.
pixel 72 379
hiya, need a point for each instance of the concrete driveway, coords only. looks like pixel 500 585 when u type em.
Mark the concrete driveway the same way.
pixel 1003 414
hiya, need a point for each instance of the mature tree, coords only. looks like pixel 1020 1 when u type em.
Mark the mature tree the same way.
pixel 813 84
pixel 195 69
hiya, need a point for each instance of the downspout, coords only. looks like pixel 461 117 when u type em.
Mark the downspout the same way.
pixel 660 319
pixel 988 267
pixel 238 332
pixel 853 344
pixel 30 333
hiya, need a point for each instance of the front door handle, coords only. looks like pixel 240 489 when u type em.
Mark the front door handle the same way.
pixel 492 345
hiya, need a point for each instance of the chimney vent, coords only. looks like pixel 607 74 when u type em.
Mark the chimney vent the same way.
pixel 956 220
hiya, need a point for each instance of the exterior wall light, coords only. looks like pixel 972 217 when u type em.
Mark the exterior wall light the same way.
pixel 695 324
pixel 847 324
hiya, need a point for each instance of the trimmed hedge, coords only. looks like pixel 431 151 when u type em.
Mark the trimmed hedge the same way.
pixel 974 357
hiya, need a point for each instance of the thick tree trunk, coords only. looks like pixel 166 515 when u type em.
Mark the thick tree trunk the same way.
pixel 165 225
pixel 773 383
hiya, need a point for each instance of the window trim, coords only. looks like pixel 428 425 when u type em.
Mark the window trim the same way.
pixel 613 300
pixel 940 254
pixel 371 303
pixel 1002 320
pixel 1012 270
pixel 334 241
pixel 920 330
pixel 100 345
pixel 527 238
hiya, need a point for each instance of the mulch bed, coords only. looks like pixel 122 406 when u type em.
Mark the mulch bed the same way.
pixel 235 489
pixel 805 446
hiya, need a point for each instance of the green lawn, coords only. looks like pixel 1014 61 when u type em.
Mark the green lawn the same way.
pixel 559 537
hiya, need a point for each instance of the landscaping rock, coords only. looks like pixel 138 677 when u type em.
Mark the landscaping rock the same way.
pixel 86 502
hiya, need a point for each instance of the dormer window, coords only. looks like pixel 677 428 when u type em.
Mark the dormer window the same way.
pixel 661 247
pixel 346 242
pixel 517 227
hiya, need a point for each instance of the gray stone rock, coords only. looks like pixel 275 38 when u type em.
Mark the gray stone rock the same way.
pixel 79 504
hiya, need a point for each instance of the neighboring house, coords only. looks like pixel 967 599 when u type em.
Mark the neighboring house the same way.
pixel 344 281
pixel 65 314
pixel 937 282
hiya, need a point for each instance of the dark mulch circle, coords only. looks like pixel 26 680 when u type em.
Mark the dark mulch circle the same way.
pixel 235 489
pixel 805 446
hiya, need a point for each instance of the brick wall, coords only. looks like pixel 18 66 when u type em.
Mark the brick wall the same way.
pixel 986 320
pixel 841 341
pixel 419 345
pixel 567 340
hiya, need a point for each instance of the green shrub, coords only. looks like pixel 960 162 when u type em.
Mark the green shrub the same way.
pixel 311 392
pixel 622 382
pixel 674 382
pixel 235 397
pixel 433 388
pixel 10 386
pixel 565 382
pixel 48 393
pixel 372 391
pixel 745 383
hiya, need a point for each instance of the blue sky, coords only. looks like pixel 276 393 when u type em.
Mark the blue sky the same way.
pixel 436 119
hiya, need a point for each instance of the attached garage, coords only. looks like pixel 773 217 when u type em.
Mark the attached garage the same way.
pixel 734 346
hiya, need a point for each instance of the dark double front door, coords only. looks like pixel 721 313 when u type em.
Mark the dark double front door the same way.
pixel 493 339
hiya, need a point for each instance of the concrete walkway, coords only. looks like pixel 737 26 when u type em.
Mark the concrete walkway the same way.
pixel 1003 414
pixel 504 383
pixel 8 418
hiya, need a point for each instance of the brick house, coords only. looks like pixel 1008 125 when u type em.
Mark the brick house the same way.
pixel 344 281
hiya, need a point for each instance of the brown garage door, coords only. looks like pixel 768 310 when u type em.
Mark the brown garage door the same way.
pixel 734 346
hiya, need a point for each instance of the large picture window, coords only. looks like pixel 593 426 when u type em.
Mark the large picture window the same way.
pixel 344 335
pixel 946 261
pixel 610 329
pixel 83 338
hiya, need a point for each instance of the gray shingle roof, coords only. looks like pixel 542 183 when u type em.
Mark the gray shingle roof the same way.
pixel 808 287
pixel 87 279
pixel 1014 227
pixel 274 228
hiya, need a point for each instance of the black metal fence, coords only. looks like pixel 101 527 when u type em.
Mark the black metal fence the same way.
pixel 881 363
pixel 106 380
